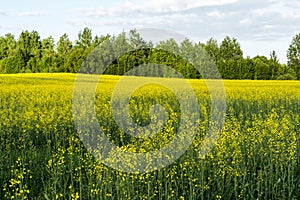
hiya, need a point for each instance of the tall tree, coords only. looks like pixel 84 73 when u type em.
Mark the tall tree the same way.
pixel 35 52
pixel 188 50
pixel 293 55
pixel 261 65
pixel 64 47
pixel 274 65
pixel 136 41
pixel 8 47
pixel 138 47
pixel 213 50
pixel 47 62
pixel 120 46
pixel 83 46
pixel 230 54
pixel 230 49
pixel 85 38
pixel 166 53
pixel 23 51
pixel 17 60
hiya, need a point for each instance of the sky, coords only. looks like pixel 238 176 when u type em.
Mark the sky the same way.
pixel 260 26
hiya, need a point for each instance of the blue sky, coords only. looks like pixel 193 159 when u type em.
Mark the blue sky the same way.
pixel 259 25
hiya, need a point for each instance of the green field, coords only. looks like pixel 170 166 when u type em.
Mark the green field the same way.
pixel 42 156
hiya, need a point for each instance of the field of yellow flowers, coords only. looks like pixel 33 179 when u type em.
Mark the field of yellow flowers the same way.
pixel 42 157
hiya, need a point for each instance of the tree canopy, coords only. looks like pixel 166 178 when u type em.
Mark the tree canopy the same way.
pixel 293 56
pixel 31 53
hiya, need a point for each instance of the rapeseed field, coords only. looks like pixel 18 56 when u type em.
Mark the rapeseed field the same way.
pixel 257 155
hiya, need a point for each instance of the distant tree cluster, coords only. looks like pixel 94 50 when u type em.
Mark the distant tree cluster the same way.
pixel 228 56
pixel 30 53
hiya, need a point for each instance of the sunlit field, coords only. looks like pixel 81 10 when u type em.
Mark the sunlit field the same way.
pixel 42 157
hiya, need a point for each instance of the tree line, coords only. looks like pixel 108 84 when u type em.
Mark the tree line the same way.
pixel 31 54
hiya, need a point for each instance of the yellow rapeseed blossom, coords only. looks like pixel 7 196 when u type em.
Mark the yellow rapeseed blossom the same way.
pixel 255 157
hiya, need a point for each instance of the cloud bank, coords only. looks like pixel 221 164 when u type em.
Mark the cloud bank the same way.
pixel 247 19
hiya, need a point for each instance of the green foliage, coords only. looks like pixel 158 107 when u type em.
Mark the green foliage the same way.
pixel 293 55
pixel 30 53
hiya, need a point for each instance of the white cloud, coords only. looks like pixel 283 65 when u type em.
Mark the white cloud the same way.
pixel 3 13
pixel 178 5
pixel 33 13
pixel 287 10
pixel 246 20
pixel 131 22
pixel 25 13
pixel 6 12
pixel 78 22
pixel 10 27
pixel 216 14
pixel 127 8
